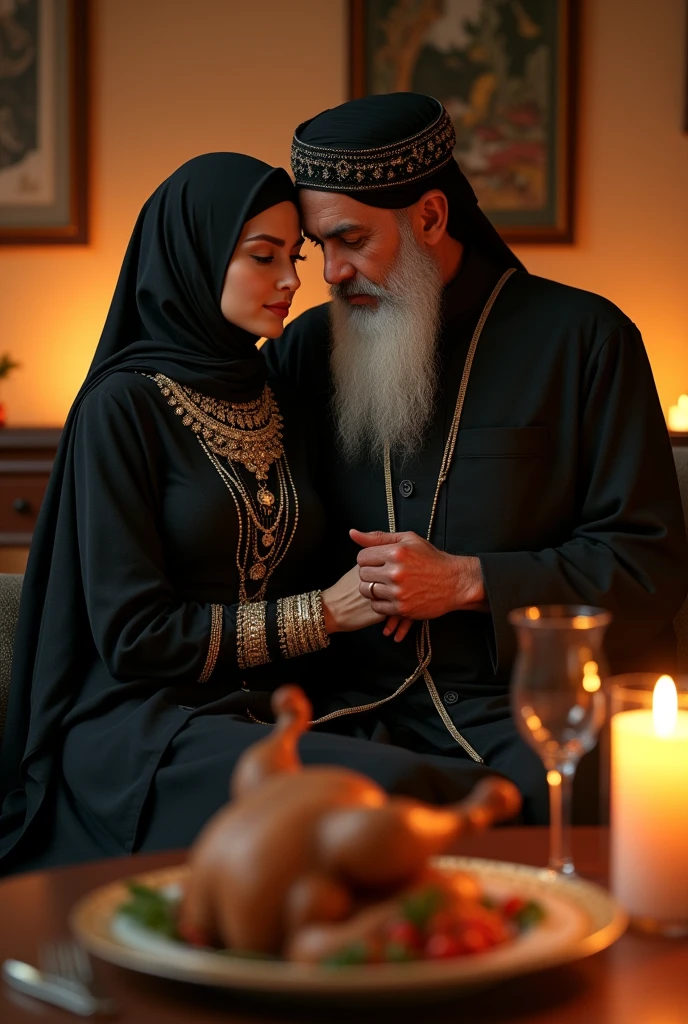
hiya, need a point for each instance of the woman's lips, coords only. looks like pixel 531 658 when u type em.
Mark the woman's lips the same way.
pixel 280 309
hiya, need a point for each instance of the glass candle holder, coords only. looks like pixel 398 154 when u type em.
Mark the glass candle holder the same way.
pixel 649 799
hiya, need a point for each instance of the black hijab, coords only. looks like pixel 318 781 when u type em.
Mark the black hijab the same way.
pixel 165 316
pixel 165 313
pixel 373 122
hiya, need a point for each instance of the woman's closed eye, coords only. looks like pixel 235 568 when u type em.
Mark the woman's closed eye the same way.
pixel 296 257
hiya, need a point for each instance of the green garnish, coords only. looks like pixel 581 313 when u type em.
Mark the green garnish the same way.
pixel 419 908
pixel 151 909
pixel 351 955
pixel 399 953
pixel 531 914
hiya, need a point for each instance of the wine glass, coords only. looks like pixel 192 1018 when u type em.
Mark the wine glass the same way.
pixel 558 702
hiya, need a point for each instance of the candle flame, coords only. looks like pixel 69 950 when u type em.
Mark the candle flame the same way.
pixel 664 706
pixel 554 777
pixel 532 613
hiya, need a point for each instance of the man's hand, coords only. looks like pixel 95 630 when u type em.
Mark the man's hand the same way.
pixel 414 579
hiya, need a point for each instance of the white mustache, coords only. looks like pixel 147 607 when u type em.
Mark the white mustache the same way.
pixel 359 285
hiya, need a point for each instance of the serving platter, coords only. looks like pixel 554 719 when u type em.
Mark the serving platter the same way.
pixel 580 918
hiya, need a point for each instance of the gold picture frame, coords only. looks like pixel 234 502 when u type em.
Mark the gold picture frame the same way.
pixel 44 111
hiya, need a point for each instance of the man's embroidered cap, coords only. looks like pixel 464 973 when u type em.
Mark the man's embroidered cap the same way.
pixel 337 167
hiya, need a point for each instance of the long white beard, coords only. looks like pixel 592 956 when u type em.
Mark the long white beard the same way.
pixel 384 359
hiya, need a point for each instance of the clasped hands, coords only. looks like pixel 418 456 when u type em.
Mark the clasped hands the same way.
pixel 406 578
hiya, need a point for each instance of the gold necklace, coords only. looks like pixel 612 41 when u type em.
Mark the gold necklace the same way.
pixel 249 434
pixel 245 432
pixel 262 567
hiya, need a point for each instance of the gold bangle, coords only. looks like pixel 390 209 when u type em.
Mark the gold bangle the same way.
pixel 214 643
pixel 301 624
pixel 252 639
pixel 286 627
pixel 322 638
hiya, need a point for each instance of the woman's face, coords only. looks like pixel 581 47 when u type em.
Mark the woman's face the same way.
pixel 261 276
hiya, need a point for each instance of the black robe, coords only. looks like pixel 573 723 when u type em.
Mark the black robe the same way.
pixel 562 483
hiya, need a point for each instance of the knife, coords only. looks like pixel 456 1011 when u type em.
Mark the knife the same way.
pixel 70 995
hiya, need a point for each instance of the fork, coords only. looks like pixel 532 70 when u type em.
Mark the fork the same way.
pixel 67 962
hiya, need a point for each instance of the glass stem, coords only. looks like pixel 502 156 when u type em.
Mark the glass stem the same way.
pixel 560 781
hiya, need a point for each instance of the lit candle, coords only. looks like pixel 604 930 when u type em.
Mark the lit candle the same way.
pixel 649 810
pixel 678 415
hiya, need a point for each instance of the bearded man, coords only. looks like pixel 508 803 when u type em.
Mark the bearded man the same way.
pixel 491 440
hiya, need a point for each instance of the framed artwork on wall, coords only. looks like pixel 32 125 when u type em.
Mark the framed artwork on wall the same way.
pixel 506 72
pixel 43 115
pixel 685 79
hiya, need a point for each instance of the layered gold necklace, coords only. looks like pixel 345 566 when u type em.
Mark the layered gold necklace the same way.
pixel 247 434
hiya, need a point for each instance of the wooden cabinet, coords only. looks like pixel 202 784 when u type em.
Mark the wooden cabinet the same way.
pixel 26 459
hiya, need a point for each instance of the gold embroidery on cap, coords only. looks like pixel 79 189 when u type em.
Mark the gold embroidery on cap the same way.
pixel 360 169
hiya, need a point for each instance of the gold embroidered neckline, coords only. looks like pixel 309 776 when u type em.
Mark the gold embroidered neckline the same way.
pixel 245 432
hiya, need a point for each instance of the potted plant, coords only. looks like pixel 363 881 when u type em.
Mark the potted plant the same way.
pixel 7 364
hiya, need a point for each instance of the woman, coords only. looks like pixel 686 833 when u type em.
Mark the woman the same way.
pixel 171 573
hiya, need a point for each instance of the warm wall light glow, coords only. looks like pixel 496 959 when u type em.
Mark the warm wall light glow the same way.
pixel 591 678
pixel 664 706
pixel 678 415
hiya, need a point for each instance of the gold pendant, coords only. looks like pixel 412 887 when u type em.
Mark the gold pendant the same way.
pixel 257 571
pixel 268 540
pixel 266 497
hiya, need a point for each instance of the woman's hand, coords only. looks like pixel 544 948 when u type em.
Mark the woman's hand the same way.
pixel 344 606
pixel 397 625
pixel 347 610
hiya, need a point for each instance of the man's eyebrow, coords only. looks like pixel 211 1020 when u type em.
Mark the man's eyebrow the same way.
pixel 342 228
pixel 267 238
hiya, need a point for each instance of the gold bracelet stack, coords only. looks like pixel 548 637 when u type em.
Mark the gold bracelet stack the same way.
pixel 301 624
pixel 214 643
pixel 252 639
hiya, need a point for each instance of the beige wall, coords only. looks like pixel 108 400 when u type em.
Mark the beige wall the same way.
pixel 172 79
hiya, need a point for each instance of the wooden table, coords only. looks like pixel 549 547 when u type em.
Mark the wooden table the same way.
pixel 639 980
